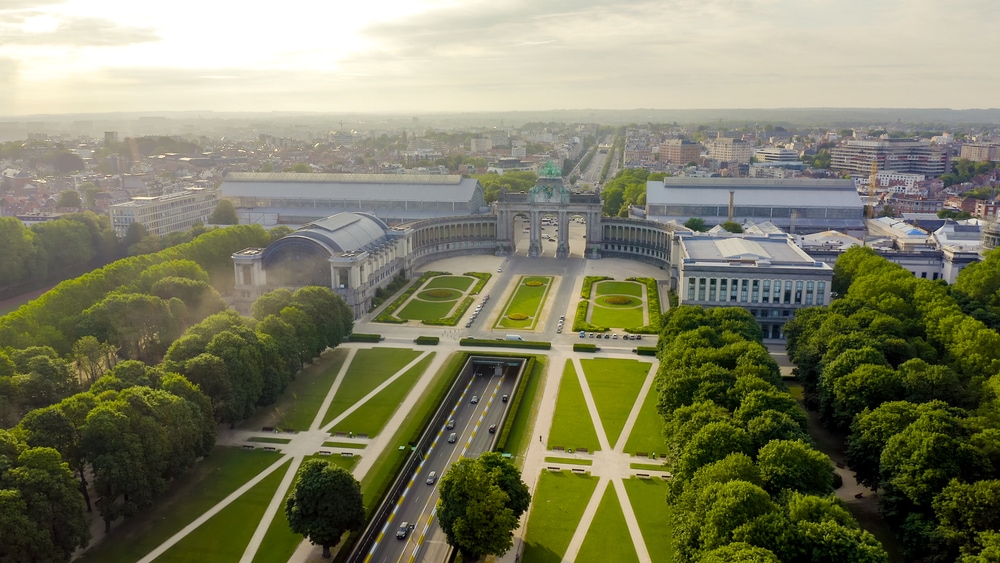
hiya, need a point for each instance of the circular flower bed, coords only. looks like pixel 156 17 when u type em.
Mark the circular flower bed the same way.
pixel 517 316
pixel 533 283
pixel 618 300
pixel 440 293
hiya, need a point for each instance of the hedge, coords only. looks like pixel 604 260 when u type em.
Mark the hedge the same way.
pixel 359 337
pixel 588 283
pixel 584 347
pixel 646 350
pixel 515 404
pixel 483 277
pixel 432 340
pixel 652 305
pixel 536 344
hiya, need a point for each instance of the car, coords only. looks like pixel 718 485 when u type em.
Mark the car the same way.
pixel 505 398
pixel 493 429
pixel 403 530
pixel 450 424
pixel 614 336
pixel 607 336
pixel 475 399
pixel 583 334
pixel 499 270
pixel 590 334
pixel 452 438
pixel 431 477
pixel 562 317
pixel 559 330
pixel 638 337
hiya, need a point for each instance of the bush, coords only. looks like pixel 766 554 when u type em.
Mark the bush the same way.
pixel 441 293
pixel 430 340
pixel 517 316
pixel 383 293
pixel 533 283
pixel 483 277
pixel 359 337
pixel 646 350
pixel 652 305
pixel 515 403
pixel 535 344
pixel 618 300
pixel 584 347
pixel 588 283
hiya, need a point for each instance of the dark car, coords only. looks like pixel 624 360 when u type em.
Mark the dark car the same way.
pixel 493 429
pixel 505 397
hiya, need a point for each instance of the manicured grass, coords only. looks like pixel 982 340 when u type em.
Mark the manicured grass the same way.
pixel 647 434
pixel 527 411
pixel 571 460
pixel 616 316
pixel 268 440
pixel 461 283
pixel 648 499
pixel 527 300
pixel 571 424
pixel 608 538
pixel 297 407
pixel 225 536
pixel 615 385
pixel 556 508
pixel 648 466
pixel 369 369
pixel 618 288
pixel 417 310
pixel 372 416
pixel 431 295
pixel 201 488
pixel 354 445
pixel 280 541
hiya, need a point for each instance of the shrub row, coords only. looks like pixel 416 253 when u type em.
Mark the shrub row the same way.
pixel 534 344
pixel 652 305
pixel 360 337
pixel 383 293
pixel 515 404
pixel 580 320
pixel 431 340
pixel 645 350
pixel 588 283
pixel 584 347
pixel 483 277
pixel 388 315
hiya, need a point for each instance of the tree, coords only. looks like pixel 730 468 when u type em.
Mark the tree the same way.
pixel 481 502
pixel 69 198
pixel 696 224
pixel 791 465
pixel 224 214
pixel 324 503
pixel 613 199
pixel 732 227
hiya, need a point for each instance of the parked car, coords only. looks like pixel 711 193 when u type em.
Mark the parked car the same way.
pixel 583 334
pixel 614 336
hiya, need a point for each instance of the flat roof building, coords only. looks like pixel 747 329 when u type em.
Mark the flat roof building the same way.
pixel 164 214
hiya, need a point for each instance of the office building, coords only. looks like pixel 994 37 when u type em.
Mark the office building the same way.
pixel 164 214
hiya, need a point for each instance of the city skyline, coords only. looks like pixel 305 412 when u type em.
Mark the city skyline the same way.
pixel 434 55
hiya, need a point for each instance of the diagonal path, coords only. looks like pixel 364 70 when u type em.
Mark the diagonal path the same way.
pixel 318 419
pixel 586 520
pixel 633 523
pixel 272 509
pixel 588 397
pixel 633 415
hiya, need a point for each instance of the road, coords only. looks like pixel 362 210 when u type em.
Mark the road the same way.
pixel 472 421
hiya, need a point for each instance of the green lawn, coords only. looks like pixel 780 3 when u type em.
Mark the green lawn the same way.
pixel 648 466
pixel 269 440
pixel 571 424
pixel 647 434
pixel 235 523
pixel 608 538
pixel 571 460
pixel 297 407
pixel 201 488
pixel 616 317
pixel 417 310
pixel 372 416
pixel 527 300
pixel 615 385
pixel 609 287
pixel 354 445
pixel 527 411
pixel 556 508
pixel 432 295
pixel 648 499
pixel 280 541
pixel 461 283
pixel 371 366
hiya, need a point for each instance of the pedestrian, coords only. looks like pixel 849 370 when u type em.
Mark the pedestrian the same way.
pixel 539 437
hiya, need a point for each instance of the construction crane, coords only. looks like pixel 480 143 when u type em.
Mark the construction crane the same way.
pixel 871 189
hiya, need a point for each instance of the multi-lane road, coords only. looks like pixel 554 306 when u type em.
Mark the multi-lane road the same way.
pixel 488 382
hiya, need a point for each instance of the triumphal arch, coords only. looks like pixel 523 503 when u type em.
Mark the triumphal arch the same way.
pixel 548 198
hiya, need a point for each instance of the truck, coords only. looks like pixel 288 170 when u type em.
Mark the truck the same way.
pixel 515 337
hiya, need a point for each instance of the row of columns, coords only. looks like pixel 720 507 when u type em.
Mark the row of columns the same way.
pixel 448 232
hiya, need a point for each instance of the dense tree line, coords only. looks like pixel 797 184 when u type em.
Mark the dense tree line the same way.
pixel 512 181
pixel 627 188
pixel 51 320
pixel 748 484
pixel 898 366
pixel 34 253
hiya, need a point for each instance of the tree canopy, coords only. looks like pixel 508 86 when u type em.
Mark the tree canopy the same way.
pixel 324 503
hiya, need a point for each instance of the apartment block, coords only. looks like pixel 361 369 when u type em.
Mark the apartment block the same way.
pixel 166 213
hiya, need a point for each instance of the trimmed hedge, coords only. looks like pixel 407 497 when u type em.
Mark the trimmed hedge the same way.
pixel 646 350
pixel 535 344
pixel 588 283
pixel 584 347
pixel 359 337
pixel 529 366
pixel 432 340
pixel 580 320
pixel 483 277
pixel 387 316
pixel 652 305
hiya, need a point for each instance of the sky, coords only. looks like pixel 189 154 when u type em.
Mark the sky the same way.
pixel 94 56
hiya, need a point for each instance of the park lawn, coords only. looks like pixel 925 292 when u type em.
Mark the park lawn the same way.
pixel 556 508
pixel 371 366
pixel 269 440
pixel 280 541
pixel 224 537
pixel 609 287
pixel 202 487
pixel 608 538
pixel 647 434
pixel 353 445
pixel 527 300
pixel 615 385
pixel 371 417
pixel 527 411
pixel 570 460
pixel 571 424
pixel 417 310
pixel 617 317
pixel 296 408
pixel 461 283
pixel 648 499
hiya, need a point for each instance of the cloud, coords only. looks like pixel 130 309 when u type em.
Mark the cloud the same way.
pixel 16 5
pixel 73 32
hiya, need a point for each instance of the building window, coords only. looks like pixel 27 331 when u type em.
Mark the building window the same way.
pixel 711 289
pixel 755 291
pixel 743 291
pixel 798 292
pixel 788 292
pixel 820 292
pixel 690 296
pixel 809 292
pixel 766 292
pixel 777 291
pixel 723 289
pixel 732 290
pixel 701 289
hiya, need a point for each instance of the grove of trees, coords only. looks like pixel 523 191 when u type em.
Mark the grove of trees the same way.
pixel 748 483
pixel 908 371
pixel 627 188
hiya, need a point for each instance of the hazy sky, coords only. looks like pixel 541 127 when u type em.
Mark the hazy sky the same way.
pixel 60 56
